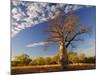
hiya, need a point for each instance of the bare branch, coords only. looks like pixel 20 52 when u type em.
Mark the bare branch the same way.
pixel 72 45
pixel 67 31
pixel 82 31
pixel 69 23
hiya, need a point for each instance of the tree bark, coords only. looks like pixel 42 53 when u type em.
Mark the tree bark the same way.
pixel 63 56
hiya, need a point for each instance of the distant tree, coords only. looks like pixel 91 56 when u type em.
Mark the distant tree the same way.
pixel 34 62
pixel 73 57
pixel 82 58
pixel 56 59
pixel 90 60
pixel 65 30
pixel 48 60
pixel 41 61
pixel 14 63
pixel 21 60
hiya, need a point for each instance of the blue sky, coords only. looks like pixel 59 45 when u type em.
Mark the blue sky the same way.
pixel 30 20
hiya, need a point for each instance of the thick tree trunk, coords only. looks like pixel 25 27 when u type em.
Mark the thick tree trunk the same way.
pixel 63 56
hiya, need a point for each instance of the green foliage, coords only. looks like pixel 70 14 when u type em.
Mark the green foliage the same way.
pixel 38 61
pixel 14 63
pixel 82 58
pixel 72 57
pixel 56 59
pixel 90 60
pixel 75 58
pixel 21 60
pixel 42 61
pixel 48 60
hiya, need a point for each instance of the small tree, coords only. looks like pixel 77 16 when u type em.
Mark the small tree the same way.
pixel 48 60
pixel 64 30
pixel 82 58
pixel 56 59
pixel 73 57
pixel 90 60
pixel 21 60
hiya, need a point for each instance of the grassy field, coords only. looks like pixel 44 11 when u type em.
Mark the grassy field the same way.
pixel 50 68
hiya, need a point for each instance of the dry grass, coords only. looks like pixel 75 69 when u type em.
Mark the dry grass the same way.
pixel 50 68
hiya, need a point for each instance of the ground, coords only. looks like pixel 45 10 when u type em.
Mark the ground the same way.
pixel 50 68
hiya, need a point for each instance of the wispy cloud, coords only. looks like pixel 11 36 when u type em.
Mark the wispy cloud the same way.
pixel 37 44
pixel 27 14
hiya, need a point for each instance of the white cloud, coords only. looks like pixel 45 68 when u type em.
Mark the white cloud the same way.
pixel 77 7
pixel 15 14
pixel 34 13
pixel 37 44
pixel 21 26
pixel 16 3
pixel 14 32
pixel 32 10
pixel 72 8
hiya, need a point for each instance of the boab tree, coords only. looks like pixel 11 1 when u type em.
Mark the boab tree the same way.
pixel 64 30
